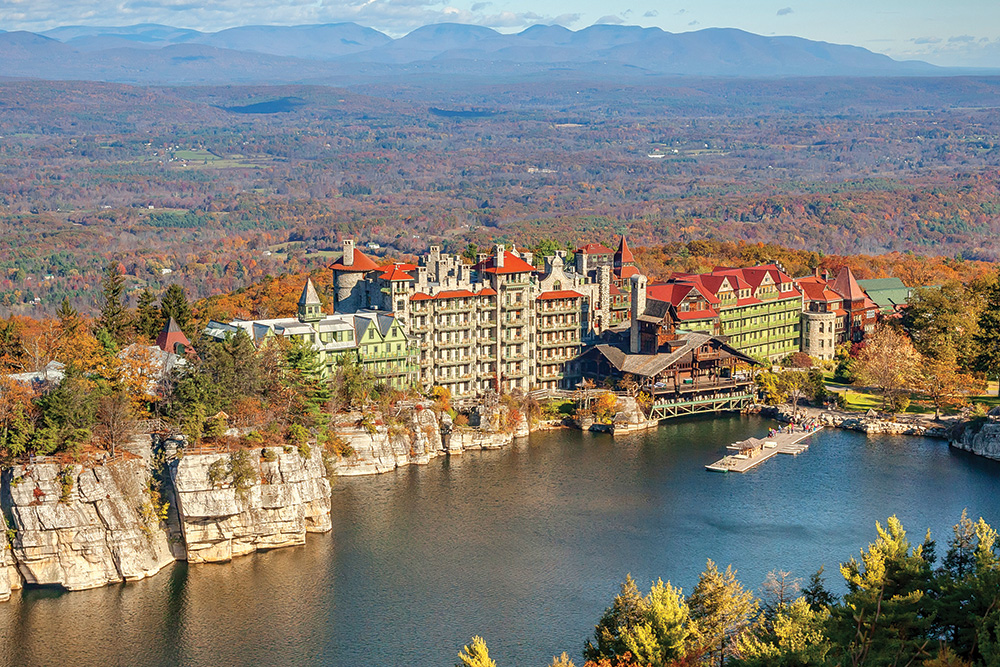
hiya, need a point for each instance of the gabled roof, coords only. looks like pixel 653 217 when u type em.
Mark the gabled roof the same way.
pixel 396 272
pixel 648 365
pixel 362 264
pixel 405 266
pixel 847 286
pixel 625 272
pixel 309 296
pixel 595 249
pixel 623 255
pixel 559 294
pixel 511 264
pixel 170 336
pixel 817 289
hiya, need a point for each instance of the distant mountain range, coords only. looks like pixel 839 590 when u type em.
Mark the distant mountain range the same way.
pixel 344 52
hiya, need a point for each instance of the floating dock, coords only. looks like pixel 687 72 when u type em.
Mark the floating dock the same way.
pixel 780 443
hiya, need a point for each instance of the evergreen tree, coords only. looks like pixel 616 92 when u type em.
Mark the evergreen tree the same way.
pixel 175 304
pixel 12 354
pixel 475 655
pixel 816 594
pixel 662 638
pixel 306 375
pixel 721 609
pixel 627 612
pixel 885 617
pixel 115 317
pixel 796 636
pixel 148 321
pixel 987 340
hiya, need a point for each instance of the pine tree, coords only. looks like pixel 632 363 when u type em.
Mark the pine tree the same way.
pixel 12 354
pixel 885 617
pixel 148 321
pixel 662 638
pixel 475 655
pixel 721 609
pixel 816 594
pixel 627 611
pixel 175 304
pixel 115 317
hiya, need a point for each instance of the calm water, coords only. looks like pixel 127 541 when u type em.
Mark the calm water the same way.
pixel 524 546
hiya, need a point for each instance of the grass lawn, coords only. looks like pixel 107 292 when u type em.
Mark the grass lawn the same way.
pixel 862 399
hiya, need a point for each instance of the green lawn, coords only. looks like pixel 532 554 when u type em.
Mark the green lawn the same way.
pixel 862 399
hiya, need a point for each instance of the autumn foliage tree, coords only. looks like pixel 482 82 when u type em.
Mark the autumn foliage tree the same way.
pixel 889 363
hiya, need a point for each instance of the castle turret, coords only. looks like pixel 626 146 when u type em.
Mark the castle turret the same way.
pixel 348 283
pixel 310 308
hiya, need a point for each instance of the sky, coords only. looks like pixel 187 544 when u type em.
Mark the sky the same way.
pixel 955 33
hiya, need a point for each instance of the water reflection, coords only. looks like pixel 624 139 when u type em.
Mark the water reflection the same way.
pixel 524 546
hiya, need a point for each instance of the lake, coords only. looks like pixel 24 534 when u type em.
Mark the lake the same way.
pixel 524 546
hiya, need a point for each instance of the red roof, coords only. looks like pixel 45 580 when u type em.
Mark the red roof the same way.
pixel 171 336
pixel 489 291
pixel 420 296
pixel 595 249
pixel 708 313
pixel 559 294
pixel 817 289
pixel 627 272
pixel 623 255
pixel 395 272
pixel 362 264
pixel 401 265
pixel 511 264
pixel 847 286
pixel 614 291
pixel 454 294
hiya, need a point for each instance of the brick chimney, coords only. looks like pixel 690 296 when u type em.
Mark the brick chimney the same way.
pixel 498 262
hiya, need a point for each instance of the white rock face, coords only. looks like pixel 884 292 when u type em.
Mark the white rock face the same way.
pixel 982 439
pixel 94 536
pixel 289 498
pixel 417 442
pixel 10 578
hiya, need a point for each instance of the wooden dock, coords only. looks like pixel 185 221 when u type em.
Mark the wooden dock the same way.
pixel 780 443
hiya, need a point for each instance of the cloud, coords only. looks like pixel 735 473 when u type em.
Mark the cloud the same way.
pixel 961 39
pixel 784 11
pixel 693 23
pixel 651 14
pixel 926 40
pixel 479 6
pixel 680 11
pixel 610 19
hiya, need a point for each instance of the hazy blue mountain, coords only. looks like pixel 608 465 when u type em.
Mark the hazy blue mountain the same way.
pixel 318 42
pixel 346 52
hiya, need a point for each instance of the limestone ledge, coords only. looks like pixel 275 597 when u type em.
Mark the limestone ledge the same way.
pixel 415 442
pixel 289 498
pixel 10 578
pixel 93 534
pixel 980 437
pixel 863 424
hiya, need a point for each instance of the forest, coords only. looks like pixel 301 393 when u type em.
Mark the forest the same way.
pixel 179 187
pixel 903 604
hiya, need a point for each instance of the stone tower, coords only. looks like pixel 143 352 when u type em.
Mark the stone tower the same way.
pixel 638 308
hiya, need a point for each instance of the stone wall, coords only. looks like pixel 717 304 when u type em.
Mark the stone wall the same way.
pixel 289 497
pixel 96 530
pixel 980 437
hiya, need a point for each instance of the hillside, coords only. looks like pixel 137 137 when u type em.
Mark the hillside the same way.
pixel 347 53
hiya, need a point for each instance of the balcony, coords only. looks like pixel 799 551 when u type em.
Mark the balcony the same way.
pixel 457 326
pixel 468 342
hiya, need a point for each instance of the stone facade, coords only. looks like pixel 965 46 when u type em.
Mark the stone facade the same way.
pixel 819 336
pixel 498 324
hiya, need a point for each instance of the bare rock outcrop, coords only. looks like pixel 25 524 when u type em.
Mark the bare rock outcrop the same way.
pixel 415 439
pixel 10 578
pixel 286 498
pixel 979 436
pixel 80 527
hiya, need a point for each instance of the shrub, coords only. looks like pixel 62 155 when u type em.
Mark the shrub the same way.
pixel 65 478
pixel 305 450
pixel 461 420
pixel 268 454
pixel 215 427
pixel 297 434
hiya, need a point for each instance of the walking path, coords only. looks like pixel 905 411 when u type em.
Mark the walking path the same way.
pixel 779 443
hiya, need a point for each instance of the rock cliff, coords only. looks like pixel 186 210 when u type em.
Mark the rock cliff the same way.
pixel 80 527
pixel 10 578
pixel 980 437
pixel 416 440
pixel 273 505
